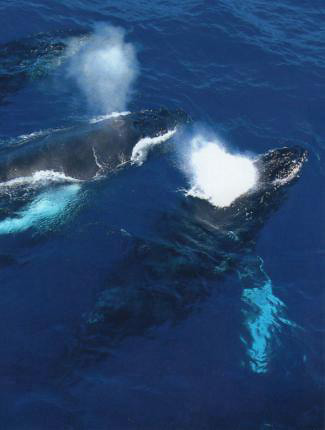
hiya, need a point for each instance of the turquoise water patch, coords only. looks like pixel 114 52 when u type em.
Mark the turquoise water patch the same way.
pixel 45 209
pixel 261 324
pixel 264 317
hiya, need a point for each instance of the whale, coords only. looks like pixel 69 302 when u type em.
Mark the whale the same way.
pixel 163 278
pixel 32 58
pixel 41 179
pixel 86 151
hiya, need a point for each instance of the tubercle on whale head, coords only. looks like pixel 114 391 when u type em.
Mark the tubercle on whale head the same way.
pixel 281 166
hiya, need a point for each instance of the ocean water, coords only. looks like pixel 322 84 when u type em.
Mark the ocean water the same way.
pixel 117 310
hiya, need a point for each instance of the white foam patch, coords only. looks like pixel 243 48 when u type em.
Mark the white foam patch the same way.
pixel 42 211
pixel 111 115
pixel 218 176
pixel 141 149
pixel 41 177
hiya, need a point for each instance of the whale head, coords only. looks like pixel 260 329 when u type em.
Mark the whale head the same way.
pixel 279 167
pixel 277 170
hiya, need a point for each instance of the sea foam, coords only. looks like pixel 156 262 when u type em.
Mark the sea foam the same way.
pixel 42 177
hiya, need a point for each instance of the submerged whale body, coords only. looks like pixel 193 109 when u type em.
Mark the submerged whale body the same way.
pixel 86 151
pixel 194 247
pixel 31 58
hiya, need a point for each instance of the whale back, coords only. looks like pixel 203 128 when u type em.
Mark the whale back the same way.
pixel 83 151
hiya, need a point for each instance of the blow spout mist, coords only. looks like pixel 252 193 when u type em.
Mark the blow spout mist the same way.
pixel 105 68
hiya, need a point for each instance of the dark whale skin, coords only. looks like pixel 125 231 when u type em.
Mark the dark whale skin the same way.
pixel 80 152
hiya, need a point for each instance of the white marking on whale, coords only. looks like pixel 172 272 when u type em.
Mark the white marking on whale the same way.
pixel 141 149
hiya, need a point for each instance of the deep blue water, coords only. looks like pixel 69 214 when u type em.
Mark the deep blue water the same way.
pixel 254 73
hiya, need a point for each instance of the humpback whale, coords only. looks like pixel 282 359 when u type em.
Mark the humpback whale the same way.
pixel 89 150
pixel 32 58
pixel 162 277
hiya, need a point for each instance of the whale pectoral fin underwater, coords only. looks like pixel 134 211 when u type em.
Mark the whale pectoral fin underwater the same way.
pixel 263 312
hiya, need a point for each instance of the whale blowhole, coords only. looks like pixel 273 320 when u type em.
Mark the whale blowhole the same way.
pixel 217 175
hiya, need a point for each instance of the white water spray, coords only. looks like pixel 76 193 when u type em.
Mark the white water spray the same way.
pixel 216 175
pixel 105 68
pixel 39 178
